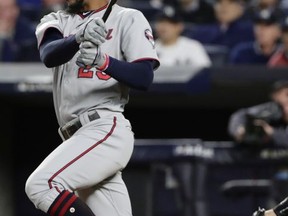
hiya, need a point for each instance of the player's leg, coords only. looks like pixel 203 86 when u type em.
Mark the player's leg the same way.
pixel 108 198
pixel 51 186
pixel 98 150
pixel 67 203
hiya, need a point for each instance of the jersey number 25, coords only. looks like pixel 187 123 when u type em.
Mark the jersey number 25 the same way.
pixel 89 73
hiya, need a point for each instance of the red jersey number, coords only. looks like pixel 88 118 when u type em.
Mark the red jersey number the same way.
pixel 89 73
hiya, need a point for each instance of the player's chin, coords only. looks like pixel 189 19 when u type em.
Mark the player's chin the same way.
pixel 75 6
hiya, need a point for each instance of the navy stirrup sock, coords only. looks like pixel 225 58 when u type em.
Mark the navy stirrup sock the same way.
pixel 68 204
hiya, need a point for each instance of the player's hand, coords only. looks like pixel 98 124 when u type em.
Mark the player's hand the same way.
pixel 91 55
pixel 94 31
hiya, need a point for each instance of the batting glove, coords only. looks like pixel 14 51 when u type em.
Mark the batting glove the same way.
pixel 94 31
pixel 91 56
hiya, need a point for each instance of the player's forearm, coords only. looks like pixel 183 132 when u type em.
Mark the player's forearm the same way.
pixel 138 75
pixel 59 51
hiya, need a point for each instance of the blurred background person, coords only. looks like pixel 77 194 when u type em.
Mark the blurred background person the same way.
pixel 266 125
pixel 267 33
pixel 196 11
pixel 230 27
pixel 193 12
pixel 280 57
pixel 270 6
pixel 174 49
pixel 271 117
pixel 17 35
pixel 150 8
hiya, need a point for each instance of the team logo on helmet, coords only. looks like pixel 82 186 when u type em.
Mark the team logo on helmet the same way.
pixel 149 36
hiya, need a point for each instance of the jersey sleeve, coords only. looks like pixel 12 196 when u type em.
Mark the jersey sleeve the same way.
pixel 137 41
pixel 51 20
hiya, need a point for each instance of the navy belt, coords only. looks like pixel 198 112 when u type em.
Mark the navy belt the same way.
pixel 72 126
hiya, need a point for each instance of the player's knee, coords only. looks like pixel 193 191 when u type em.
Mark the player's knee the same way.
pixel 34 187
pixel 39 191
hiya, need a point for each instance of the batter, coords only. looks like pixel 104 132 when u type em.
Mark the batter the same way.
pixel 94 65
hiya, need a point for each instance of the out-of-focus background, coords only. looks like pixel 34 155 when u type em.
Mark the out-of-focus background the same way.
pixel 219 59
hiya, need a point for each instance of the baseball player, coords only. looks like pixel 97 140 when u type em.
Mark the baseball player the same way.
pixel 94 65
pixel 281 209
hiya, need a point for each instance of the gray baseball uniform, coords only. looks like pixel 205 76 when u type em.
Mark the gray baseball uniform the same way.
pixel 89 163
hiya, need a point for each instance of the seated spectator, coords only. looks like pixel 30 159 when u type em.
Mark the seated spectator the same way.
pixel 149 8
pixel 271 6
pixel 196 11
pixel 280 58
pixel 173 48
pixel 267 34
pixel 230 27
pixel 192 11
pixel 17 35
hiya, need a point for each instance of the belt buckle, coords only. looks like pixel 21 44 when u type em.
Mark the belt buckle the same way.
pixel 68 130
pixel 65 132
pixel 72 126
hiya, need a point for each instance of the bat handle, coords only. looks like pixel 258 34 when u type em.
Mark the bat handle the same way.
pixel 108 10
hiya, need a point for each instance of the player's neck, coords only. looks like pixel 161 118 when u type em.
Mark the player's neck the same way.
pixel 95 4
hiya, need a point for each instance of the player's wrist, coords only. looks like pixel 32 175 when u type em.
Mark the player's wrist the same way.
pixel 104 62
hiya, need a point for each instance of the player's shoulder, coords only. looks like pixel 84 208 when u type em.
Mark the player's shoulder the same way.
pixel 61 14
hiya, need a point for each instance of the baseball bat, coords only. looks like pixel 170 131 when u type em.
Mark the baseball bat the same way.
pixel 108 10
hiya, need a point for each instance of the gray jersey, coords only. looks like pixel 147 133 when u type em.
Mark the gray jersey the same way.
pixel 76 90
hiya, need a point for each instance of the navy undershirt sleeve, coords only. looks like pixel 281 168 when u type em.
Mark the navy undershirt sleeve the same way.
pixel 138 75
pixel 56 50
